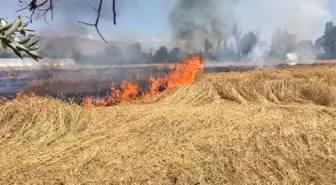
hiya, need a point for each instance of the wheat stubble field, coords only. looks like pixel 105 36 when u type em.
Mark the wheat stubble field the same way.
pixel 274 126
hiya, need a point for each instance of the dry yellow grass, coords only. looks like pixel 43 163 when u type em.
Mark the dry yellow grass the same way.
pixel 258 127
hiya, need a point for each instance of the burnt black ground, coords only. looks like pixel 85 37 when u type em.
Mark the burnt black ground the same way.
pixel 21 78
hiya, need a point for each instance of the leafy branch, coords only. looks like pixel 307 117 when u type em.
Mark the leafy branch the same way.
pixel 37 9
pixel 9 36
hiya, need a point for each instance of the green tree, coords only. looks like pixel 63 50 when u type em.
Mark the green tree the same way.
pixel 247 43
pixel 114 54
pixel 134 55
pixel 137 47
pixel 236 33
pixel 175 54
pixel 305 49
pixel 282 43
pixel 327 42
pixel 161 55
pixel 51 50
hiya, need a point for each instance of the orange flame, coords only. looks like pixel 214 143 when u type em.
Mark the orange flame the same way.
pixel 182 74
pixel 22 95
pixel 88 102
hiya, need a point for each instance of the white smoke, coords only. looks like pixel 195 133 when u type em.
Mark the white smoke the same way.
pixel 292 58
pixel 258 53
pixel 305 18
pixel 193 21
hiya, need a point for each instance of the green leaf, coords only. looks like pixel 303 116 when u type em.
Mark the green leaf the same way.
pixel 34 55
pixel 4 45
pixel 31 43
pixel 34 48
pixel 29 30
pixel 13 28
pixel 7 26
pixel 3 22
pixel 20 47
pixel 25 40
pixel 14 49
pixel 9 38
pixel 23 25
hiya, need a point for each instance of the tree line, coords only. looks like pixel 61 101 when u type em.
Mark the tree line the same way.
pixel 282 42
pixel 112 54
pixel 133 54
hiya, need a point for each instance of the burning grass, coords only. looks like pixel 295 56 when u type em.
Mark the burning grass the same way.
pixel 134 88
pixel 259 127
pixel 184 73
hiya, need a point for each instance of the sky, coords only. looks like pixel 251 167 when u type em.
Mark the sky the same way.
pixel 149 19
pixel 137 19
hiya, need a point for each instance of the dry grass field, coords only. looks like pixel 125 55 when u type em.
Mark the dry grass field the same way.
pixel 274 126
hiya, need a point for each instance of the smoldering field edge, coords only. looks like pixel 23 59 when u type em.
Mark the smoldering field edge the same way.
pixel 79 82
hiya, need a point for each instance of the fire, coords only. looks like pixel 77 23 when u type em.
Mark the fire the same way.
pixel 183 73
pixel 21 95
pixel 88 102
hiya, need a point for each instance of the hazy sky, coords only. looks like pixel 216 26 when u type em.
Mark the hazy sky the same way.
pixel 150 19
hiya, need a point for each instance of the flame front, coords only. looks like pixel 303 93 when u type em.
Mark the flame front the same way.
pixel 183 73
pixel 22 95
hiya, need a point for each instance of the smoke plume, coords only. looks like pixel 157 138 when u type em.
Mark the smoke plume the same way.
pixel 305 18
pixel 193 21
